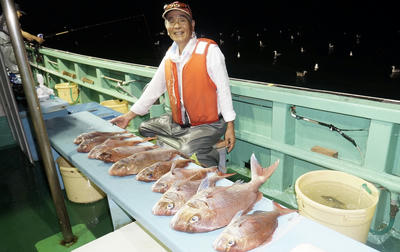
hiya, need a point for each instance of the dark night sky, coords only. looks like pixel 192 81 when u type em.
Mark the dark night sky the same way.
pixel 320 21
pixel 52 16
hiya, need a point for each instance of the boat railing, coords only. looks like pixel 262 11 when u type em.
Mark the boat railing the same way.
pixel 265 123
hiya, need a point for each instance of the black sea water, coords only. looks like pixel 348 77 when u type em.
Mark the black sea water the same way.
pixel 350 61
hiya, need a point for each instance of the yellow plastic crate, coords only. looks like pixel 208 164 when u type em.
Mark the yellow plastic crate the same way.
pixel 117 105
pixel 68 92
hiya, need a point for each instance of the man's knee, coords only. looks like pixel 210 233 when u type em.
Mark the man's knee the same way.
pixel 145 130
pixel 187 149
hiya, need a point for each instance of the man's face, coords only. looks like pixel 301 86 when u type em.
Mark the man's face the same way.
pixel 179 26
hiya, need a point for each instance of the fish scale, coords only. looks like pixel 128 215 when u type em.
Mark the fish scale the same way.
pixel 88 144
pixel 135 163
pixel 113 143
pixel 155 171
pixel 118 153
pixel 88 135
pixel 175 174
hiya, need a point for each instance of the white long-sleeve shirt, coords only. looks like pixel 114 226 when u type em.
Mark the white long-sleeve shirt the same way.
pixel 216 69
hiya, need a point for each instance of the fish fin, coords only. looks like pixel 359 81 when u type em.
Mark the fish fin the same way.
pixel 259 197
pixel 217 176
pixel 248 209
pixel 260 174
pixel 282 210
pixel 224 175
pixel 236 217
pixel 173 168
pixel 148 139
pixel 205 183
pixel 268 240
pixel 239 181
pixel 258 212
pixel 212 169
pixel 186 161
pixel 194 159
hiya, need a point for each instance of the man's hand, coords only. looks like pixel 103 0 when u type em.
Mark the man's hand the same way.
pixel 39 40
pixel 31 37
pixel 230 138
pixel 123 120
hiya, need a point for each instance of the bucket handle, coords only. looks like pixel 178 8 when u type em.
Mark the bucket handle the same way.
pixel 300 202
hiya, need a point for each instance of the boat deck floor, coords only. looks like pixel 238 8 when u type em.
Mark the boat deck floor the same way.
pixel 27 213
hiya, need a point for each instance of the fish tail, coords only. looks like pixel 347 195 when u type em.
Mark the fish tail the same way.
pixel 182 163
pixel 147 139
pixel 282 210
pixel 128 134
pixel 260 174
pixel 194 158
pixel 225 175
pixel 187 161
pixel 219 175
pixel 212 169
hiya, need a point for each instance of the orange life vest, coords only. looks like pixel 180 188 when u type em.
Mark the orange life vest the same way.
pixel 199 91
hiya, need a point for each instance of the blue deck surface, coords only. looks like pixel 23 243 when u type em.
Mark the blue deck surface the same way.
pixel 96 109
pixel 137 199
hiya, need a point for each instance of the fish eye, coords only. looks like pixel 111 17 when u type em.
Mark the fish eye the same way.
pixel 150 175
pixel 194 219
pixel 170 206
pixel 231 243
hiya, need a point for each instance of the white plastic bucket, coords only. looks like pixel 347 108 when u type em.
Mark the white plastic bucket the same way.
pixel 79 188
pixel 341 201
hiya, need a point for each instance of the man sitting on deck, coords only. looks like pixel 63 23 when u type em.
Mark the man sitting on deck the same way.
pixel 193 71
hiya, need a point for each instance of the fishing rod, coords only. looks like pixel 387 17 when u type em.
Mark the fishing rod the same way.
pixel 330 126
pixel 91 26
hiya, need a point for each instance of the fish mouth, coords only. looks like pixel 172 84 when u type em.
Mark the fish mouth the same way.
pixel 160 188
pixel 105 156
pixel 82 148
pixel 226 244
pixel 145 177
pixel 161 209
pixel 188 228
pixel 118 170
pixel 192 220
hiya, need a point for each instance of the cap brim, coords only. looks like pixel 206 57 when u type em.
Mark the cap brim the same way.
pixel 178 9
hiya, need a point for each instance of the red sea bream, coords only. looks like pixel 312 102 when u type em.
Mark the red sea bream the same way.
pixel 214 207
pixel 246 232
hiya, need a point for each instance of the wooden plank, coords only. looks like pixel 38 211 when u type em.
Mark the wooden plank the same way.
pixel 325 151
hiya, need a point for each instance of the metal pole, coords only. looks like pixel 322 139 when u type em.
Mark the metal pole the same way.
pixel 37 119
pixel 11 110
